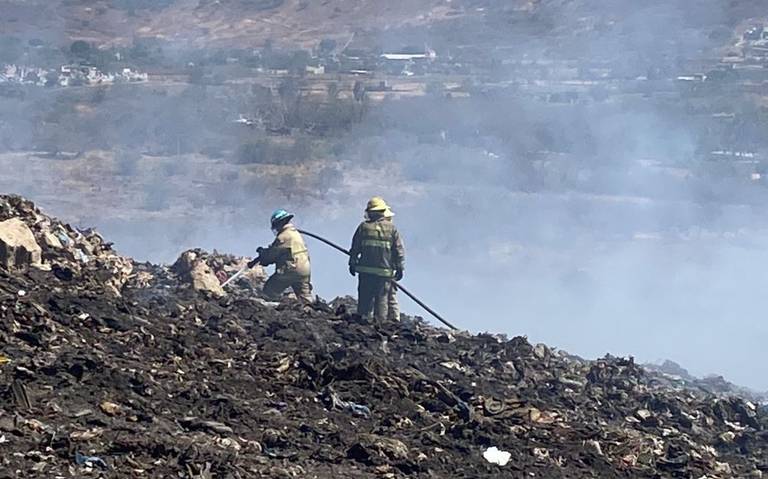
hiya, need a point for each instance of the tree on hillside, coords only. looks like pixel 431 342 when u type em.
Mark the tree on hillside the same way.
pixel 81 49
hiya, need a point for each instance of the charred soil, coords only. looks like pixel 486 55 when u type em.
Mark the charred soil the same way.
pixel 144 376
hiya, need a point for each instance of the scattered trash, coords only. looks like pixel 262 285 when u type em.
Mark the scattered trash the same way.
pixel 63 239
pixel 644 414
pixel 332 401
pixel 723 468
pixel 85 435
pixel 18 246
pixel 110 408
pixel 540 453
pixel 90 461
pixel 168 379
pixel 594 446
pixel 20 395
pixel 453 365
pixel 21 293
pixel 82 257
pixel 496 456
pixel 34 239
pixel 373 448
pixel 194 423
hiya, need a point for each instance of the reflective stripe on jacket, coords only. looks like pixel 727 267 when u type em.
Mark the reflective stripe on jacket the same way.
pixel 377 248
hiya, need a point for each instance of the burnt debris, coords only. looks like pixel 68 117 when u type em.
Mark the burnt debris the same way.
pixel 112 368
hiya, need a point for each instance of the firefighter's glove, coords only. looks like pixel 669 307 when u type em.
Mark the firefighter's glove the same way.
pixel 398 275
pixel 253 262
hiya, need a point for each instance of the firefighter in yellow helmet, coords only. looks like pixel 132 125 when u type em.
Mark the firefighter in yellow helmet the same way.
pixel 377 255
pixel 291 259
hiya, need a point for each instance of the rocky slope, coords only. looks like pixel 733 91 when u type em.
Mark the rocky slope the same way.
pixel 106 372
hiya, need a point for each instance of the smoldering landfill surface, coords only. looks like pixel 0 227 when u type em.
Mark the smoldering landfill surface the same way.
pixel 118 368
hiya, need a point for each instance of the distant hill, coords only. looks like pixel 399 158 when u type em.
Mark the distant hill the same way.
pixel 303 23
pixel 216 21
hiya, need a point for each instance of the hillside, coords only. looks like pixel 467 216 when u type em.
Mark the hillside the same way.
pixel 219 22
pixel 303 23
pixel 114 368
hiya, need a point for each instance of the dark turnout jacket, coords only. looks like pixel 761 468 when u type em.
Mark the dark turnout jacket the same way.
pixel 377 248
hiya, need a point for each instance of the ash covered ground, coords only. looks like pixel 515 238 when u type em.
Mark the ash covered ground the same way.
pixel 114 368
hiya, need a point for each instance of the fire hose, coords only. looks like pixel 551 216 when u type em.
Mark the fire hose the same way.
pixel 236 276
pixel 394 283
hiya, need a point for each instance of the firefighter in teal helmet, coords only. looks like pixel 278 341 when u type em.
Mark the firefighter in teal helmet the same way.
pixel 290 256
pixel 377 256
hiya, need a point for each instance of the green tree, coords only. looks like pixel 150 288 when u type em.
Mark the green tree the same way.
pixel 80 49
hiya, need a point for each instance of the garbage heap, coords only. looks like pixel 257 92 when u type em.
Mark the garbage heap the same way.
pixel 178 382
pixel 30 239
pixel 198 270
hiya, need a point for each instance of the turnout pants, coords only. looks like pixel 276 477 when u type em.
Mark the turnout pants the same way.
pixel 280 281
pixel 393 307
pixel 373 296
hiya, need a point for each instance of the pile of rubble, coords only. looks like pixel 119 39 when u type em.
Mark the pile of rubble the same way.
pixel 168 381
pixel 198 270
pixel 28 238
pixel 31 239
pixel 678 377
